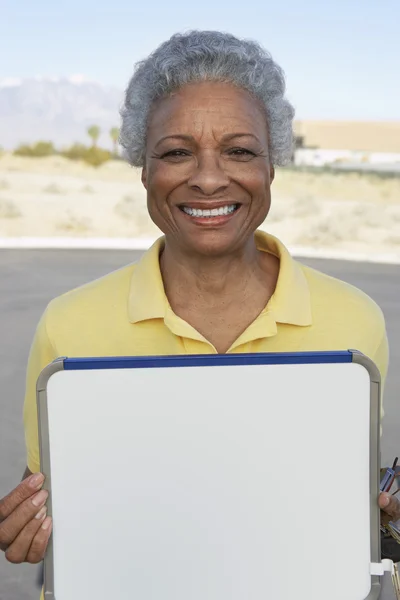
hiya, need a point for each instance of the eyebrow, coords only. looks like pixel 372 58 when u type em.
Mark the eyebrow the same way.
pixel 230 136
pixel 225 138
pixel 186 138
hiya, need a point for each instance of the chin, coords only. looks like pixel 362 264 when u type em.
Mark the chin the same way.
pixel 214 244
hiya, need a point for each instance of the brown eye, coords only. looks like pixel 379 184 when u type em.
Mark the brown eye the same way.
pixel 178 153
pixel 241 152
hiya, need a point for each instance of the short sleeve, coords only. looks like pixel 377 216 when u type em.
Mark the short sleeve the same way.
pixel 41 354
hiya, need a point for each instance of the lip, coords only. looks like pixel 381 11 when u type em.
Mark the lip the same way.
pixel 208 205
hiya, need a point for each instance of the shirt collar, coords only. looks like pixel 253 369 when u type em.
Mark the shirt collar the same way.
pixel 291 301
pixel 289 304
pixel 147 298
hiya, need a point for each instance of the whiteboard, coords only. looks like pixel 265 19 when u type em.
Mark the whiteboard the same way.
pixel 226 477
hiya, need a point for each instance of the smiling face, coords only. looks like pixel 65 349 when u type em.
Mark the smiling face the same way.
pixel 207 169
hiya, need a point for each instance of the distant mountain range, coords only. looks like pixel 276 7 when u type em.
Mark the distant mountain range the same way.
pixel 61 110
pixel 56 109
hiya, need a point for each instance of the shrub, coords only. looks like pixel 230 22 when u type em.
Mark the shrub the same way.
pixel 74 223
pixel 97 156
pixel 39 150
pixel 9 210
pixel 127 207
pixel 23 150
pixel 87 189
pixel 53 188
pixel 75 152
pixel 92 156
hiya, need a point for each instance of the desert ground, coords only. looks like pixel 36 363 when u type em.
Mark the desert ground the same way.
pixel 56 197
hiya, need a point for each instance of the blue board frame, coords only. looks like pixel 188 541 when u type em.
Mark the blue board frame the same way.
pixel 202 360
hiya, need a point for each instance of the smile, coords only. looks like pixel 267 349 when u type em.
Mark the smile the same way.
pixel 213 212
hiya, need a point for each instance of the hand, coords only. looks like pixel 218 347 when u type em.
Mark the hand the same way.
pixel 24 527
pixel 390 507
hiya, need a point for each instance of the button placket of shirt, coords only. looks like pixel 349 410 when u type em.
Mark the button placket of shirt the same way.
pixel 264 326
pixel 201 347
pixel 182 329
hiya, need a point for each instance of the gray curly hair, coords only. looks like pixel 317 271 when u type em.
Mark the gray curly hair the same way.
pixel 206 56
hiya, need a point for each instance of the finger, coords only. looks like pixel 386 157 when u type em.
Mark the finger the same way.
pixel 22 492
pixel 40 541
pixel 11 527
pixel 17 551
pixel 390 505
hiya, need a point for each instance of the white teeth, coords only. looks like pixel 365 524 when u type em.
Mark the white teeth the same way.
pixel 214 212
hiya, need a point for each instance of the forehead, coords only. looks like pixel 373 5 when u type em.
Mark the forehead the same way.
pixel 199 106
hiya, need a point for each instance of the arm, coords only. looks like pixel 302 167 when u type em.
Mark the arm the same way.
pixel 24 526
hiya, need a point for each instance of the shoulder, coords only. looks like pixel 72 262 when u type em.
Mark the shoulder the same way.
pixel 344 303
pixel 345 317
pixel 94 299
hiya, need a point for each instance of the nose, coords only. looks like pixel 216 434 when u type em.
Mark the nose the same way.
pixel 209 177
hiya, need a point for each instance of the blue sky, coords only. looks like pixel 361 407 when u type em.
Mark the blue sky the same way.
pixel 341 60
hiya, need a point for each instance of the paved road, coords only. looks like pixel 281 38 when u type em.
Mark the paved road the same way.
pixel 29 279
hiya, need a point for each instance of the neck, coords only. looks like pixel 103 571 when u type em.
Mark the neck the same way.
pixel 209 281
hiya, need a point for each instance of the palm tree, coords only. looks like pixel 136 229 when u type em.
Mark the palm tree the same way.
pixel 94 133
pixel 114 134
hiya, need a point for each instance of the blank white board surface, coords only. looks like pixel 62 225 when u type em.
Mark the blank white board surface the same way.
pixel 211 479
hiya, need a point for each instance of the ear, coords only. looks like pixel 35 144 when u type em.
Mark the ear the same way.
pixel 271 173
pixel 144 177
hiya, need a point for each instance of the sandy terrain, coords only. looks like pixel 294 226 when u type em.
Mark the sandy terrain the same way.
pixel 55 197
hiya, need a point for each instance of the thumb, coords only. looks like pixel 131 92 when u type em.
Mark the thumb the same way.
pixel 390 505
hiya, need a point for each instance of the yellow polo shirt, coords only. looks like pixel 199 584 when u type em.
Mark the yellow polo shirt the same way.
pixel 126 313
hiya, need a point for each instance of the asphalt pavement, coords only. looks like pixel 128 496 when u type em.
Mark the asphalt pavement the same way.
pixel 29 279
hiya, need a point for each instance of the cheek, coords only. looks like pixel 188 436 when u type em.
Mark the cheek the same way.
pixel 162 181
pixel 157 184
pixel 165 178
pixel 158 189
pixel 257 182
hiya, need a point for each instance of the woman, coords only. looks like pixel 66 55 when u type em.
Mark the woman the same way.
pixel 206 119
